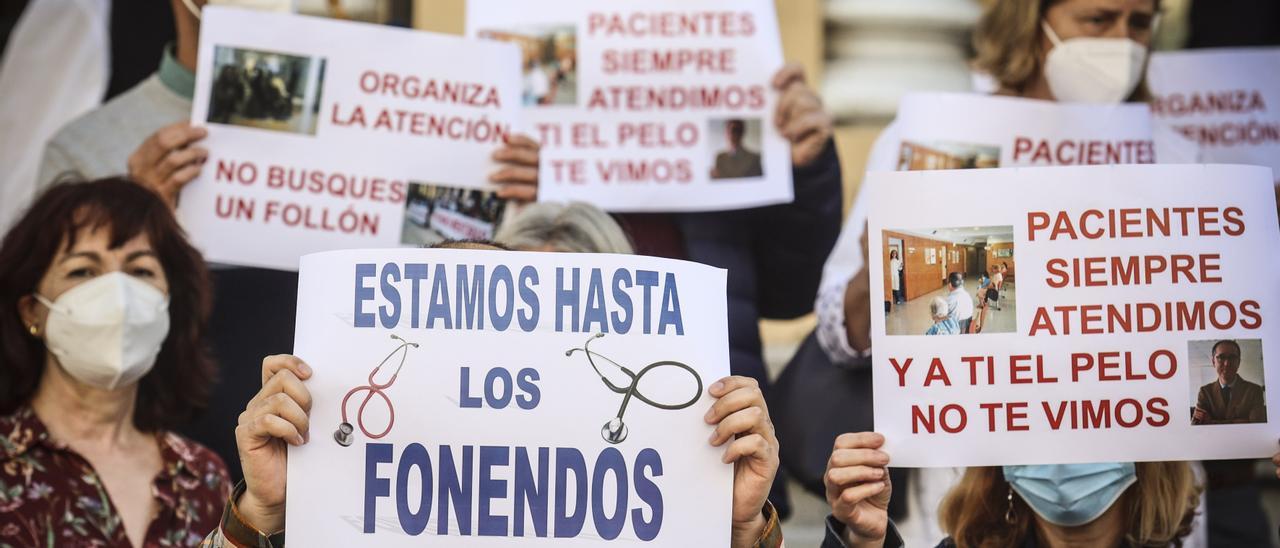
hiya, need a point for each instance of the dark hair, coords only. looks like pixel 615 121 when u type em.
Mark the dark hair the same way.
pixel 736 127
pixel 956 279
pixel 1214 351
pixel 178 386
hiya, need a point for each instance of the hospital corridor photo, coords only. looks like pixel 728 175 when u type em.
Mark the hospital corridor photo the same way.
pixel 949 281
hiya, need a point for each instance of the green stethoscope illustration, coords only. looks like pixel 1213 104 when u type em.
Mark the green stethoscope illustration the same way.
pixel 615 431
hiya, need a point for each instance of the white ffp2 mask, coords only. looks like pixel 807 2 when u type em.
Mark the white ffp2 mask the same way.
pixel 107 332
pixel 1093 70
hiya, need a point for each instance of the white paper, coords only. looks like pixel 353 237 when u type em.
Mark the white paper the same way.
pixel 1242 301
pixel 1227 100
pixel 282 181
pixel 604 140
pixel 966 130
pixel 327 482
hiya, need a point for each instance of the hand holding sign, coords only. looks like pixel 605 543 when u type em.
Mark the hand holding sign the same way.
pixel 168 160
pixel 800 117
pixel 1276 459
pixel 278 414
pixel 857 303
pixel 519 171
pixel 740 415
pixel 858 487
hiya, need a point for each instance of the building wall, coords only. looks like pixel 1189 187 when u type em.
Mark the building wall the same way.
pixel 921 277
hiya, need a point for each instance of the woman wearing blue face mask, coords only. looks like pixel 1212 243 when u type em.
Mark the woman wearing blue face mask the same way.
pixel 1147 504
pixel 1091 51
pixel 103 306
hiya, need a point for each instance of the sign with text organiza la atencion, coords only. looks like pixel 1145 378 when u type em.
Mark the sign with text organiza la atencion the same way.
pixel 327 134
pixel 1227 100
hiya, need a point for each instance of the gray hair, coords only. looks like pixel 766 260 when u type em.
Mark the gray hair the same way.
pixel 939 307
pixel 575 227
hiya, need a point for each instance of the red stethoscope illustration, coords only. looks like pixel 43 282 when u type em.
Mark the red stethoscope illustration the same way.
pixel 344 433
pixel 615 430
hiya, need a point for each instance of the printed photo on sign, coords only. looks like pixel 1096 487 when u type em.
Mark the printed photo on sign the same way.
pixel 1227 381
pixel 914 156
pixel 435 213
pixel 549 54
pixel 265 90
pixel 949 281
pixel 735 148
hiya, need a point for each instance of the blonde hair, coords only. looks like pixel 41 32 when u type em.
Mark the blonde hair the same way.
pixel 1009 45
pixel 1158 508
pixel 576 227
pixel 1007 42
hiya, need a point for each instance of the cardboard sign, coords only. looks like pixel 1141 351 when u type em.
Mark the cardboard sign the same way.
pixel 501 398
pixel 1227 100
pixel 322 133
pixel 967 130
pixel 1098 335
pixel 649 105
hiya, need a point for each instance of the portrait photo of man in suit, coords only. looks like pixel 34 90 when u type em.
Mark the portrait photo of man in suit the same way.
pixel 1230 398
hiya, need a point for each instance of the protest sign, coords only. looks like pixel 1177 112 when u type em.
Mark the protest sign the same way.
pixel 967 130
pixel 1094 339
pixel 323 133
pixel 649 105
pixel 1227 100
pixel 501 398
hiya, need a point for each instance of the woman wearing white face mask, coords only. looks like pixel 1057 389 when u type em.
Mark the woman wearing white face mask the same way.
pixel 103 306
pixel 1090 51
pixel 1107 505
pixel 1053 50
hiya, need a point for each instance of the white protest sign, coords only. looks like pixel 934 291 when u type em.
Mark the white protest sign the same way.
pixel 1228 100
pixel 322 132
pixel 966 130
pixel 1099 348
pixel 500 398
pixel 649 105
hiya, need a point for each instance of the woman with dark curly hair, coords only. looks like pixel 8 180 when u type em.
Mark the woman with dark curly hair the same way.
pixel 103 309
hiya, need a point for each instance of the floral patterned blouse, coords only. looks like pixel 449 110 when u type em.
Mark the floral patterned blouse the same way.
pixel 50 495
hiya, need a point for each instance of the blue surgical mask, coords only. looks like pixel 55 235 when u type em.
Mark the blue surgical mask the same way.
pixel 1071 494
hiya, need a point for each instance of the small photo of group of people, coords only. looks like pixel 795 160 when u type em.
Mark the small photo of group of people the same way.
pixel 435 213
pixel 949 281
pixel 265 90
pixel 1227 381
pixel 549 54
pixel 946 155
pixel 735 148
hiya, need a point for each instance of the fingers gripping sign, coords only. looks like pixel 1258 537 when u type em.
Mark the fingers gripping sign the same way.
pixel 858 487
pixel 278 416
pixel 1276 460
pixel 800 116
pixel 742 424
pixel 169 159
pixel 519 172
